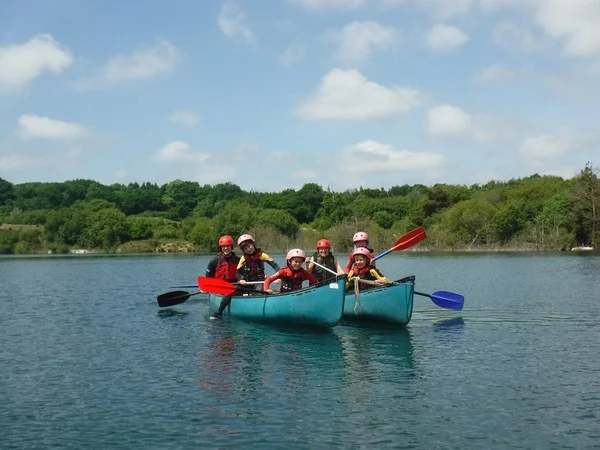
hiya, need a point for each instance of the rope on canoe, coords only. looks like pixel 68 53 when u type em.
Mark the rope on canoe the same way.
pixel 356 296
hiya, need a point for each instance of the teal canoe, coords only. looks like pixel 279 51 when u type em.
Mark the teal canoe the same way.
pixel 319 305
pixel 391 303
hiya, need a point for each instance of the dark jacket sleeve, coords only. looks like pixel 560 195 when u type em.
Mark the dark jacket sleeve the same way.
pixel 211 269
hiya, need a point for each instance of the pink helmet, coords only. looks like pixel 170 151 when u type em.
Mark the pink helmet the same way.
pixel 243 238
pixel 225 240
pixel 360 236
pixel 362 251
pixel 295 253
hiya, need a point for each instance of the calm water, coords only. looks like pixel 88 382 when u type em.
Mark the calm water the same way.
pixel 87 359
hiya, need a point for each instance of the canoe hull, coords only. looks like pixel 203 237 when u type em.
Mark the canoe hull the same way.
pixel 320 305
pixel 389 304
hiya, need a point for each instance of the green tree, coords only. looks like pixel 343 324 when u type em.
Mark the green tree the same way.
pixel 181 197
pixel 6 192
pixel 8 240
pixel 468 221
pixel 508 220
pixel 586 206
pixel 278 220
pixel 235 218
pixel 140 227
pixel 204 234
pixel 384 219
pixel 334 210
pixel 106 229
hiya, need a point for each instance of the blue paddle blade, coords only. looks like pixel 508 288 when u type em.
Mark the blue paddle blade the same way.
pixel 448 300
pixel 445 299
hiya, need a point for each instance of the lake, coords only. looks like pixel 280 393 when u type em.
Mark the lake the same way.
pixel 88 360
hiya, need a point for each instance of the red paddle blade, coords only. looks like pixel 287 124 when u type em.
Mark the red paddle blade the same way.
pixel 409 239
pixel 215 286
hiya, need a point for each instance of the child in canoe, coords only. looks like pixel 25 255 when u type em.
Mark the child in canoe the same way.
pixel 362 271
pixel 360 239
pixel 292 275
pixel 250 267
pixel 252 263
pixel 324 257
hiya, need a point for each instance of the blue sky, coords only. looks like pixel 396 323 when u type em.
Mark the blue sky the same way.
pixel 273 94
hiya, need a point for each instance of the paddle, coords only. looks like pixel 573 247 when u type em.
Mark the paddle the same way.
pixel 221 287
pixel 406 241
pixel 174 298
pixel 189 286
pixel 443 299
pixel 326 268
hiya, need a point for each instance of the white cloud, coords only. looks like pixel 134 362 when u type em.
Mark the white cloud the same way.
pixel 452 122
pixel 446 121
pixel 493 128
pixel 511 36
pixel 22 63
pixel 494 72
pixel 445 9
pixel 443 37
pixel 392 3
pixel 496 5
pixel 540 149
pixel 31 126
pixel 185 117
pixel 279 156
pixel 16 163
pixel 293 54
pixel 193 165
pixel 319 5
pixel 179 151
pixel 232 23
pixel 544 146
pixel 347 94
pixel 160 59
pixel 120 174
pixel 304 175
pixel 576 21
pixel 358 39
pixel 247 149
pixel 374 157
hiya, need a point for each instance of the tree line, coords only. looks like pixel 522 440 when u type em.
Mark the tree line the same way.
pixel 533 213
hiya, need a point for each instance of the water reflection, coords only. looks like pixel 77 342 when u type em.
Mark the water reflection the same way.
pixel 293 378
pixel 256 374
pixel 170 312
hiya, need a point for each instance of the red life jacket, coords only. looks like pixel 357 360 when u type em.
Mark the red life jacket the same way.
pixel 253 268
pixel 290 280
pixel 227 267
pixel 362 274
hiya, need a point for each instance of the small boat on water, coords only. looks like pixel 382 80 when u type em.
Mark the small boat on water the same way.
pixel 319 305
pixel 582 248
pixel 391 303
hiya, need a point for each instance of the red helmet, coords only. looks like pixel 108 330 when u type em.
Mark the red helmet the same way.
pixel 360 236
pixel 225 240
pixel 323 243
pixel 362 251
pixel 295 253
pixel 243 238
